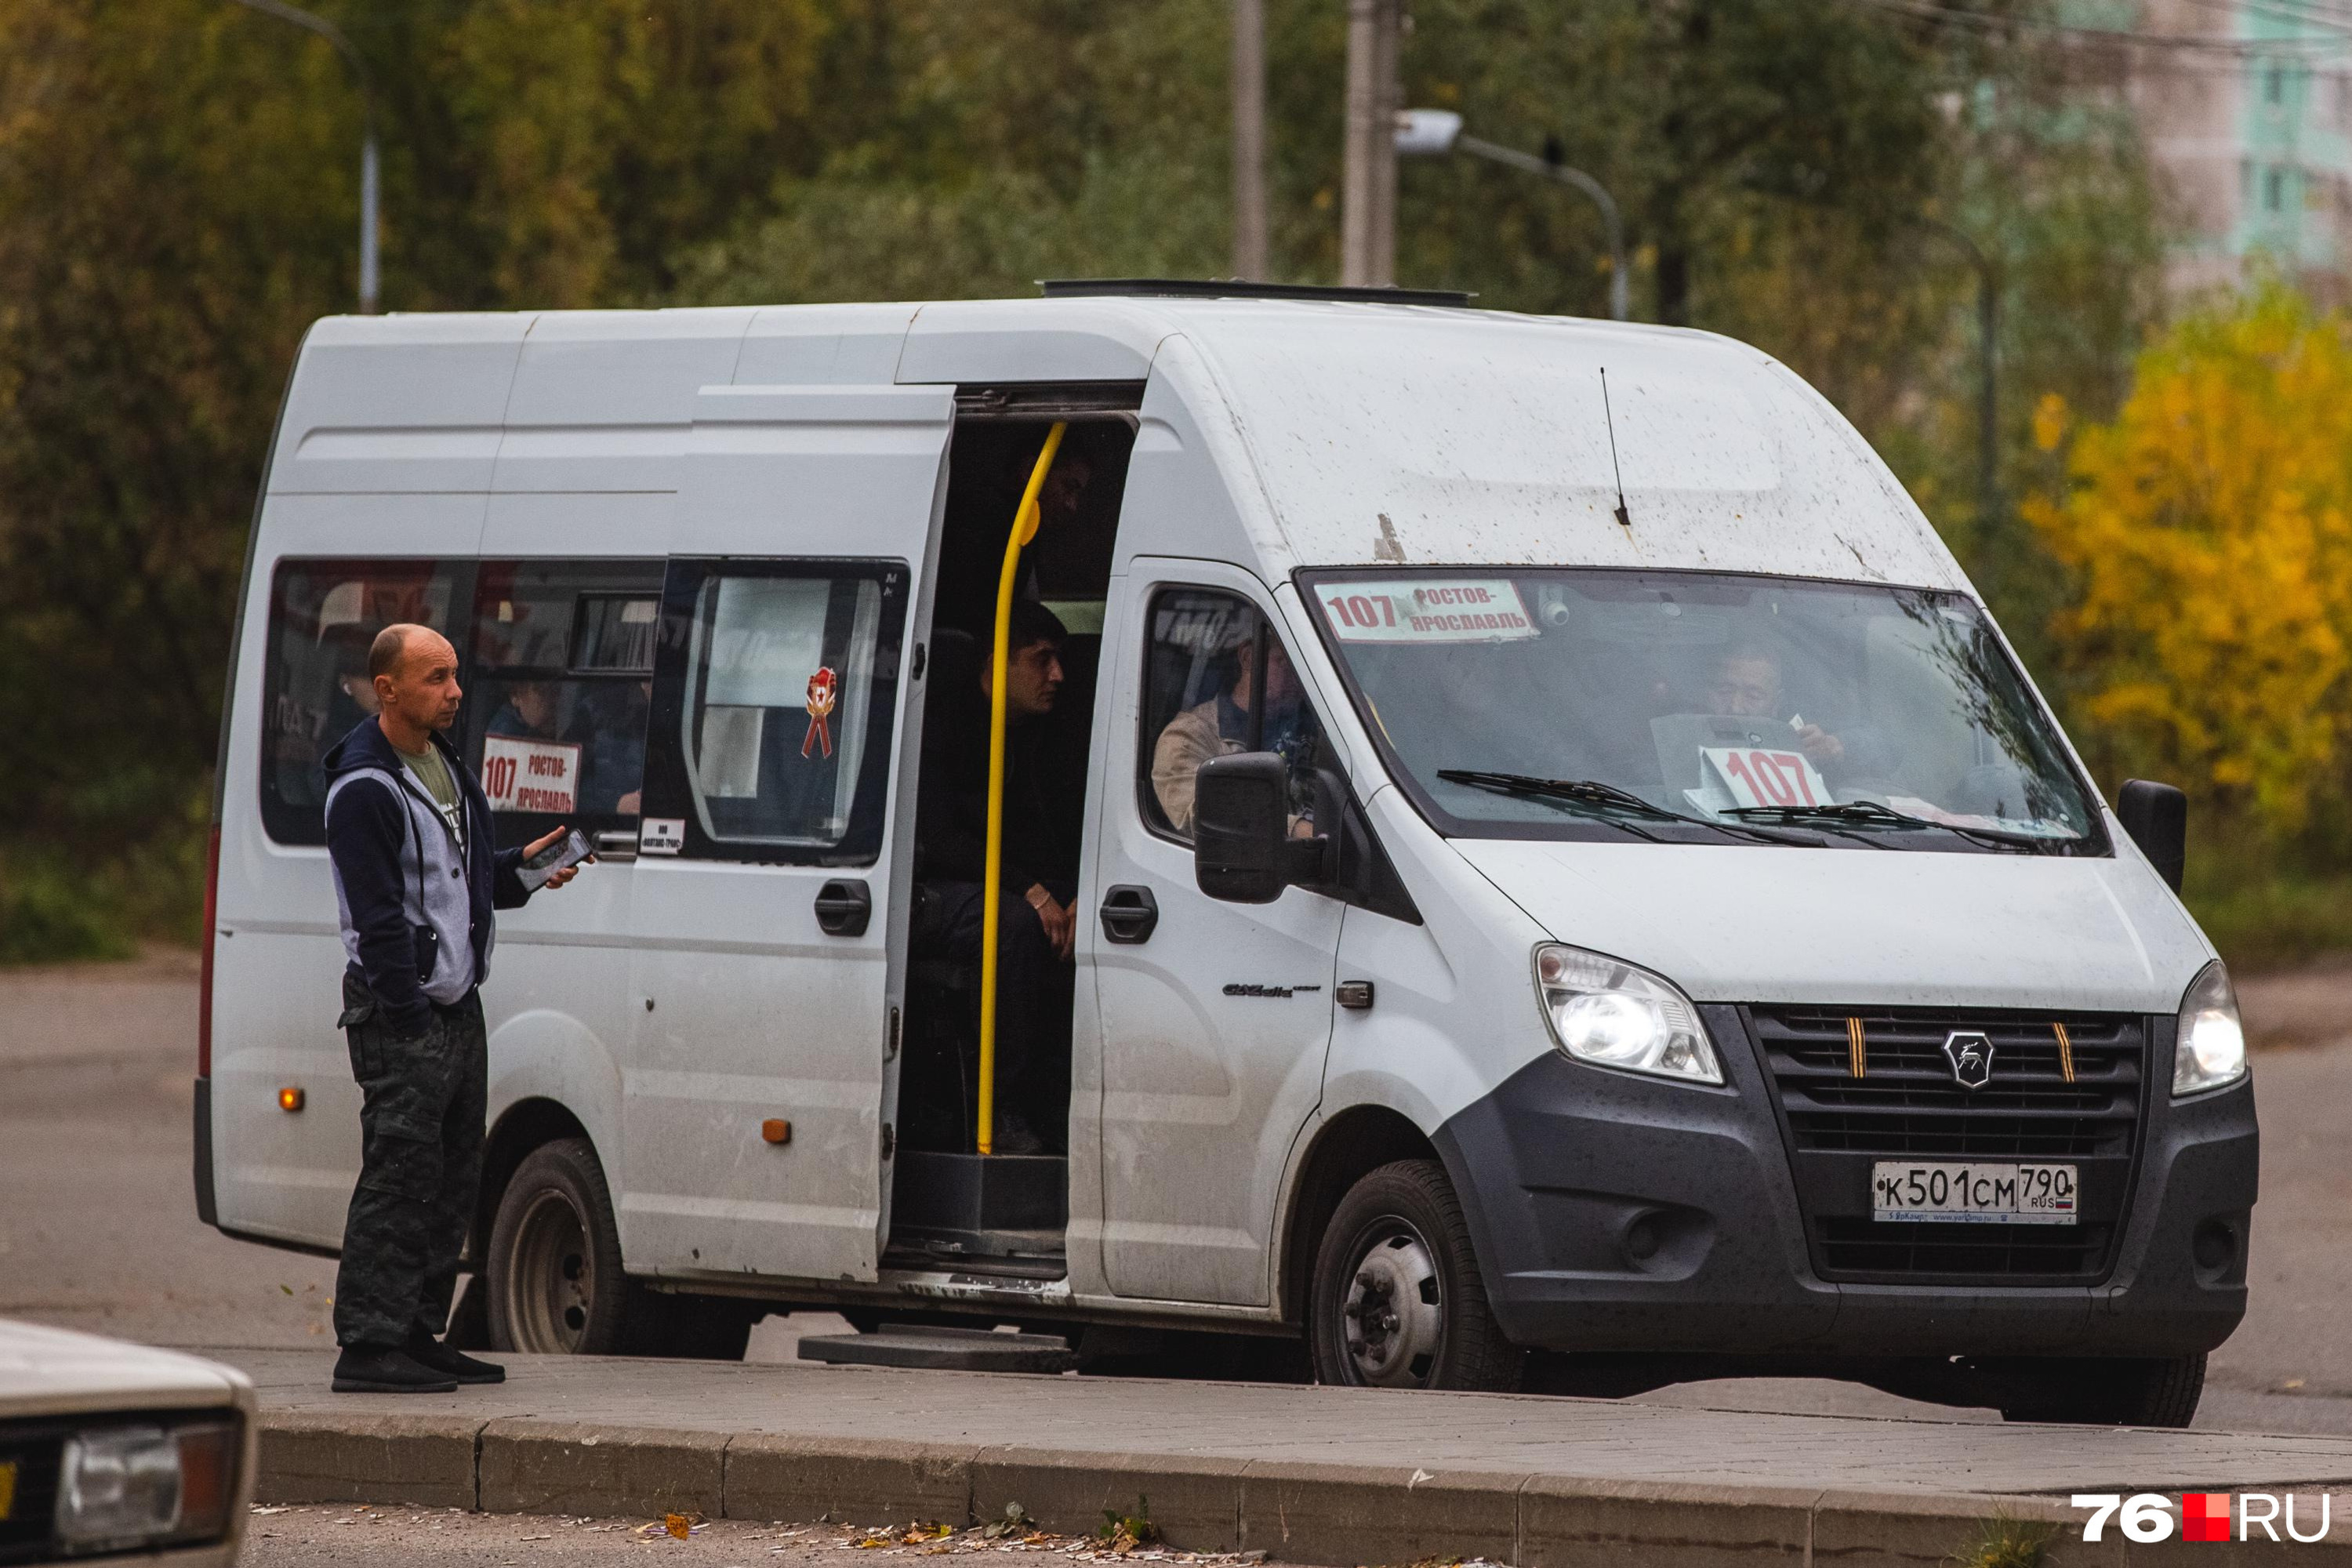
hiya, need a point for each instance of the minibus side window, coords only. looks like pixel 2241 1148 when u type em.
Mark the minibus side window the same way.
pixel 1210 655
pixel 323 615
pixel 561 689
pixel 778 693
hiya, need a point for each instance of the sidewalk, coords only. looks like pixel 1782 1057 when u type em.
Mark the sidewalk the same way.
pixel 1311 1475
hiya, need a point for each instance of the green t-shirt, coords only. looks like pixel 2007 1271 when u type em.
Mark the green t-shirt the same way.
pixel 434 774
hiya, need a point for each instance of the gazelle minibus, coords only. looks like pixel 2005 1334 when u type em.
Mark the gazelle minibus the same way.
pixel 1572 888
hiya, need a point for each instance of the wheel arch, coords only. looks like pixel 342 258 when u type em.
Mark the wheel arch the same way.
pixel 529 1123
pixel 1343 1151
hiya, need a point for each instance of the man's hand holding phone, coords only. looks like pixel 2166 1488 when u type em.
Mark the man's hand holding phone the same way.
pixel 555 859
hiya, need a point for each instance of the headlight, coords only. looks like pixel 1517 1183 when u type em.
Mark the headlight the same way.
pixel 2210 1050
pixel 1608 1012
pixel 128 1486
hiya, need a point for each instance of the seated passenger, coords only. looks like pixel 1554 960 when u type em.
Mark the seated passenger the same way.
pixel 609 727
pixel 1221 727
pixel 1037 928
pixel 528 713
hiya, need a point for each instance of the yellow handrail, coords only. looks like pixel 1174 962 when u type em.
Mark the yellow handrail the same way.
pixel 1025 529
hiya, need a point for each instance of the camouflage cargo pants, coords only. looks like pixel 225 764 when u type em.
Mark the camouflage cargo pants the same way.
pixel 420 1168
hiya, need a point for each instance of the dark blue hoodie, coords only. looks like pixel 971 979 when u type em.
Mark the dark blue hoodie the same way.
pixel 397 868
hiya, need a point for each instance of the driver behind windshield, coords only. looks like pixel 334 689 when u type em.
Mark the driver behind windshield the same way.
pixel 1746 684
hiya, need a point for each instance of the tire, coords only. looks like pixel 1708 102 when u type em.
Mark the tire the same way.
pixel 1399 1247
pixel 555 1282
pixel 2111 1393
pixel 556 1285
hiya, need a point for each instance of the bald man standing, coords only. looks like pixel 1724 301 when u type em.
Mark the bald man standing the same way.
pixel 416 879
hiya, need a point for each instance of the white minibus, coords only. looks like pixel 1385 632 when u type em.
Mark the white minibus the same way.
pixel 1572 888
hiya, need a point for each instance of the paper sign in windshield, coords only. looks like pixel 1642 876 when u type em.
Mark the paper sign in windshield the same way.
pixel 520 774
pixel 1472 610
pixel 1754 776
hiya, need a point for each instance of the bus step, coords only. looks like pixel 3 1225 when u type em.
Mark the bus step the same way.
pixel 943 1349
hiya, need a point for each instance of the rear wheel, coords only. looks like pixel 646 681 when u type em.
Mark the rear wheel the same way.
pixel 1397 1299
pixel 554 1267
pixel 2101 1391
pixel 555 1284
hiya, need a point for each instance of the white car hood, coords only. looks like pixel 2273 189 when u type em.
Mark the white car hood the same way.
pixel 56 1372
pixel 1864 926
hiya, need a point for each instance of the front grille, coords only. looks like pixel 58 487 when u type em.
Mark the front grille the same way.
pixel 1905 1104
pixel 1859 1246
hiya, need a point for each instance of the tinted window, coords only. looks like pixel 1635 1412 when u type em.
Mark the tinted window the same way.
pixel 1210 655
pixel 779 690
pixel 560 691
pixel 315 689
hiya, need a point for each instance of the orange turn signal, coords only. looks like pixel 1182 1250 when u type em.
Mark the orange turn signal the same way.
pixel 289 1098
pixel 776 1131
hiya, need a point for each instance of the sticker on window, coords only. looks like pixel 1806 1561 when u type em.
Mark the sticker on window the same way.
pixel 661 834
pixel 1485 609
pixel 520 774
pixel 1734 776
pixel 823 691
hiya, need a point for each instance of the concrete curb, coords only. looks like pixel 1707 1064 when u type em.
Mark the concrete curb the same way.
pixel 1297 1512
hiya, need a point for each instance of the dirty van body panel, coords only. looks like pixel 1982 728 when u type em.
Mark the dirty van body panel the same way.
pixel 749 1010
pixel 1842 926
pixel 278 958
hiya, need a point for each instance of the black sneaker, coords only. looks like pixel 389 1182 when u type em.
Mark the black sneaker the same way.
pixel 451 1362
pixel 380 1369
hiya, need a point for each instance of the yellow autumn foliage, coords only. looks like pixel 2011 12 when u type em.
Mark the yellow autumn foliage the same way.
pixel 2209 533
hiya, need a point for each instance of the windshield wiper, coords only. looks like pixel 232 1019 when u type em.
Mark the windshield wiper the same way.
pixel 1874 814
pixel 1604 796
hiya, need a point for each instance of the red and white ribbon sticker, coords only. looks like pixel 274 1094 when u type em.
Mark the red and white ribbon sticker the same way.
pixel 824 692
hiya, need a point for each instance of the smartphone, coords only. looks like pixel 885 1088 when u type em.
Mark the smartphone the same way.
pixel 568 850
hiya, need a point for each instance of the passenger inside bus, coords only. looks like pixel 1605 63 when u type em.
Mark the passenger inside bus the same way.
pixel 1037 927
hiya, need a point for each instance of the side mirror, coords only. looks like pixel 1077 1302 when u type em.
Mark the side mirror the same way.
pixel 1242 848
pixel 2156 817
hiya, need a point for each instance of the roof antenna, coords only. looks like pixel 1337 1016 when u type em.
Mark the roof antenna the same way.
pixel 1610 419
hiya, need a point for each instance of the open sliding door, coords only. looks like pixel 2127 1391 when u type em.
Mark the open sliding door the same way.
pixel 772 886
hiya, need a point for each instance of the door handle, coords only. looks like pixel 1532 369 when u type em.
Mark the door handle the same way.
pixel 1130 914
pixel 844 907
pixel 618 843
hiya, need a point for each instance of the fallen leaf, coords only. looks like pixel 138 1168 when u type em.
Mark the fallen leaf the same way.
pixel 678 1525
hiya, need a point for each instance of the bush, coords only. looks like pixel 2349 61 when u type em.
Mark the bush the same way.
pixel 49 913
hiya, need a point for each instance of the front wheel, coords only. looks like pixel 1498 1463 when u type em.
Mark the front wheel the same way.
pixel 2102 1392
pixel 1397 1301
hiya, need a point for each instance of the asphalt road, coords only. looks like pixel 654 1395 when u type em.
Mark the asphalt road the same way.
pixel 98 1227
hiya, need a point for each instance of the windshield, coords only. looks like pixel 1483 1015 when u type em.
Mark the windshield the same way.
pixel 1696 707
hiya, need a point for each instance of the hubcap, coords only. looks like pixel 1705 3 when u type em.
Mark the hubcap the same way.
pixel 551 1289
pixel 1395 1314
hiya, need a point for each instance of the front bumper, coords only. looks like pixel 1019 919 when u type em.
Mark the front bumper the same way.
pixel 1615 1213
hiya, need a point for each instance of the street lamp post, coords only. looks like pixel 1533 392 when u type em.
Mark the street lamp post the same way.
pixel 368 167
pixel 1428 133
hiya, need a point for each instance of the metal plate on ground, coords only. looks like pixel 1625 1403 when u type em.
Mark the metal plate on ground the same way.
pixel 943 1349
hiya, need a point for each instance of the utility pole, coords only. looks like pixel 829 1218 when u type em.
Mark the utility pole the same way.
pixel 368 164
pixel 1249 245
pixel 1989 501
pixel 1367 166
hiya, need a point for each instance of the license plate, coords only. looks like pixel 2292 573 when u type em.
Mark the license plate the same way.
pixel 1972 1194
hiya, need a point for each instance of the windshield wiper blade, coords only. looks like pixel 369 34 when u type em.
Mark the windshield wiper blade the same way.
pixel 1875 813
pixel 1608 796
